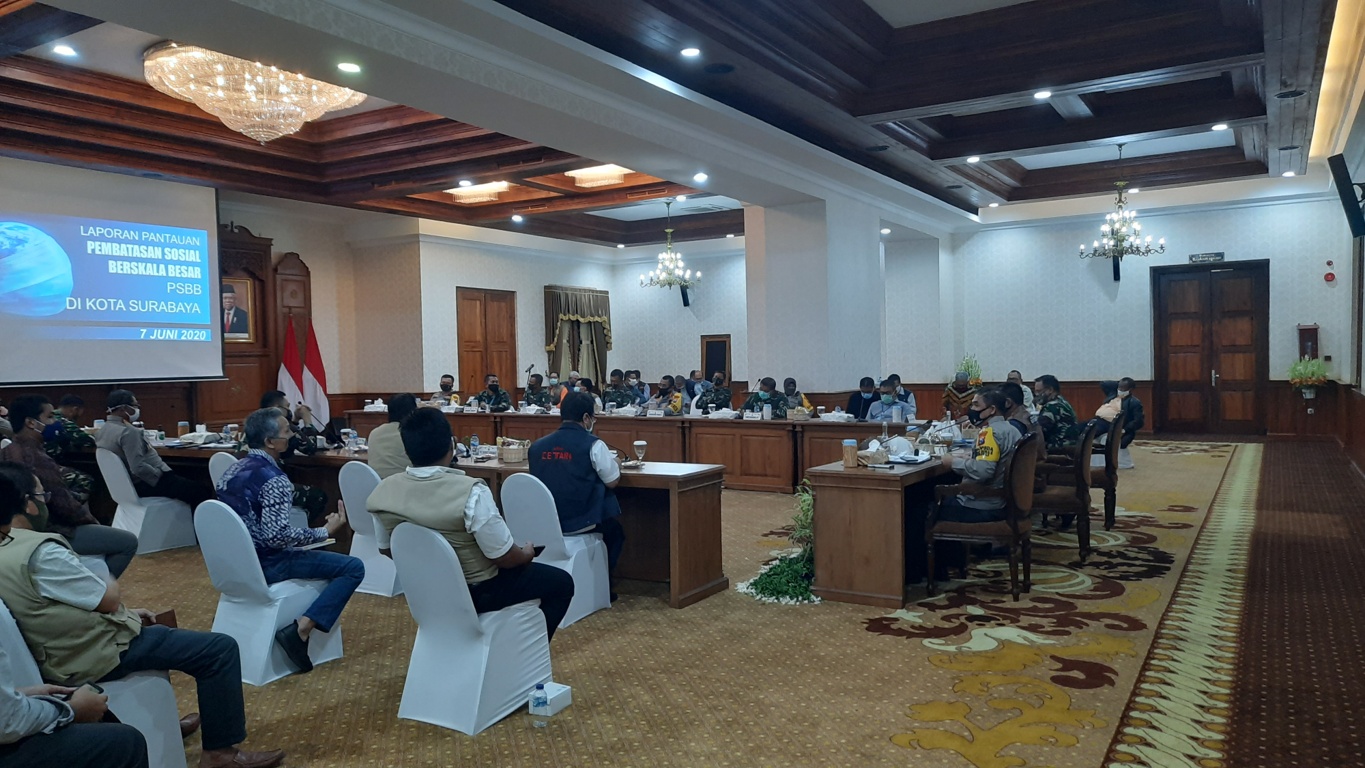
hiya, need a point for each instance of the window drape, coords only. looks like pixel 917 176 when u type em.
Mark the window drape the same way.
pixel 577 331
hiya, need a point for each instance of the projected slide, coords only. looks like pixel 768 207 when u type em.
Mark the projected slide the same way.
pixel 69 278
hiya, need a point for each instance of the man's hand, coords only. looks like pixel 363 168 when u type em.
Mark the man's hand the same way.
pixel 46 690
pixel 88 705
pixel 144 614
pixel 336 521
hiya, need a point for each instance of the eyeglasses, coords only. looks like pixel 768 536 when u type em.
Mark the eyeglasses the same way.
pixel 41 498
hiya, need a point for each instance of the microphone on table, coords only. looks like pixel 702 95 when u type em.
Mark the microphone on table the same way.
pixel 955 423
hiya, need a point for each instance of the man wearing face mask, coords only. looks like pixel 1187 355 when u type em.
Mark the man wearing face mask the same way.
pixel 1018 378
pixel 695 385
pixel 60 510
pixel 618 394
pixel 767 394
pixel 1135 419
pixel 494 396
pixel 151 476
pixel 667 398
pixel 716 398
pixel 795 398
pixel 860 402
pixel 884 406
pixel 985 466
pixel 580 471
pixel 1055 415
pixel 904 395
pixel 446 394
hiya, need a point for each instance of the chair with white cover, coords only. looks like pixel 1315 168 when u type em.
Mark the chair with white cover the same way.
pixel 468 670
pixel 249 609
pixel 357 481
pixel 219 463
pixel 143 700
pixel 531 515
pixel 158 522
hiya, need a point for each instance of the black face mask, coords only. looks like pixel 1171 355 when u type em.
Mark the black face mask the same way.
pixel 789 390
pixel 493 387
pixel 447 387
pixel 974 415
pixel 718 381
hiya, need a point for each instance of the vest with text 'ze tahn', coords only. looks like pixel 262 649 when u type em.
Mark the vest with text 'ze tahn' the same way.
pixel 562 460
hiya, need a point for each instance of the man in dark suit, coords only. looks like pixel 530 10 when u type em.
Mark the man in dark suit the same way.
pixel 234 318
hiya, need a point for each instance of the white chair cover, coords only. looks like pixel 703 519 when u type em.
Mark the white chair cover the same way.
pixel 143 700
pixel 218 465
pixel 159 523
pixel 529 508
pixel 249 609
pixel 467 670
pixel 357 481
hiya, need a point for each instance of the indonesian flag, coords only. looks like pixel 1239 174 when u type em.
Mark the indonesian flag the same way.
pixel 315 381
pixel 290 380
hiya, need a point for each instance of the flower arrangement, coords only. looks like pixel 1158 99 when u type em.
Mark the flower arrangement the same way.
pixel 1308 372
pixel 972 368
pixel 787 579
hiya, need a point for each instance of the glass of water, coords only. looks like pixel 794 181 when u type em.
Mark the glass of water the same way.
pixel 640 446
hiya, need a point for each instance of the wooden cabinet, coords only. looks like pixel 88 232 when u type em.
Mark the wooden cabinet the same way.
pixel 665 436
pixel 821 442
pixel 758 455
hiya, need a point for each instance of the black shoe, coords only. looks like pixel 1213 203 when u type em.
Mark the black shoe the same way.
pixel 1066 522
pixel 613 597
pixel 295 647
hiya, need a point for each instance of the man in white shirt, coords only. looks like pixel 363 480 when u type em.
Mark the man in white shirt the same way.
pixel 433 495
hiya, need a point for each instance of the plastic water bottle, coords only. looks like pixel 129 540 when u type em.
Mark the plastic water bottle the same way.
pixel 473 444
pixel 767 412
pixel 539 700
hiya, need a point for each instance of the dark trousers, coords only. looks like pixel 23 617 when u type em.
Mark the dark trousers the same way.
pixel 173 486
pixel 614 536
pixel 81 745
pixel 212 660
pixel 115 546
pixel 342 573
pixel 552 586
pixel 955 511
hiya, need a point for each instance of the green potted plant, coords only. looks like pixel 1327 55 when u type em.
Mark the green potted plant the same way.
pixel 972 368
pixel 787 579
pixel 1307 374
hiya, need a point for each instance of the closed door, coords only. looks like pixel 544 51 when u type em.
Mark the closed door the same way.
pixel 1212 347
pixel 486 323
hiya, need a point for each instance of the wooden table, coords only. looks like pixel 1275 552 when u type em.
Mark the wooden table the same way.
pixel 821 442
pixel 665 436
pixel 865 521
pixel 758 455
pixel 462 424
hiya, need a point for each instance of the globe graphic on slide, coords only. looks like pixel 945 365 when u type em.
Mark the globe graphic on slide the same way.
pixel 35 273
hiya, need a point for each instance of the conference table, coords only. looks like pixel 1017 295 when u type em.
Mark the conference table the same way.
pixel 869 530
pixel 670 512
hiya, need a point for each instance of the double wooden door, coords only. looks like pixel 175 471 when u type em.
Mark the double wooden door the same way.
pixel 486 326
pixel 1212 347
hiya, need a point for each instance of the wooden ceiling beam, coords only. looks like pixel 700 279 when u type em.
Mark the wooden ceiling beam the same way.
pixel 441 176
pixel 1071 106
pixel 29 25
pixel 586 202
pixel 1296 37
pixel 1152 171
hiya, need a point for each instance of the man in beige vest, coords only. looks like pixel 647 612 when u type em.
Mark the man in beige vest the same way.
pixel 78 631
pixel 386 455
pixel 433 495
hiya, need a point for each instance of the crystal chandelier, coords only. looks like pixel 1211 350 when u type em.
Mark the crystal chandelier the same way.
pixel 262 102
pixel 479 193
pixel 1121 233
pixel 671 270
pixel 598 176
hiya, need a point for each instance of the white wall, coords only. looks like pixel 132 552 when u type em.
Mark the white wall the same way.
pixel 915 344
pixel 1030 303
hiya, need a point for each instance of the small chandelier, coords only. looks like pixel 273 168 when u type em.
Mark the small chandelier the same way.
pixel 671 270
pixel 1121 233
pixel 598 176
pixel 479 193
pixel 251 98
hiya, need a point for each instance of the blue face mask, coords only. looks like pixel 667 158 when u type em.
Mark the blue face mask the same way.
pixel 888 399
pixel 553 381
pixel 52 432
pixel 867 395
pixel 763 395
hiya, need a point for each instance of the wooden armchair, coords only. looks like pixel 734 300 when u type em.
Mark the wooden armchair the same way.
pixel 1107 477
pixel 1067 493
pixel 1014 531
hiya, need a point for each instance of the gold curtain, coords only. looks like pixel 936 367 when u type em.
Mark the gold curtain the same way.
pixel 577 331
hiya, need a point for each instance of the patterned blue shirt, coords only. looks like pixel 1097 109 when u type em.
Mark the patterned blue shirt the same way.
pixel 262 495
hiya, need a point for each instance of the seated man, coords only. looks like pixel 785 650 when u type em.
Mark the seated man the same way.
pixel 1018 378
pixel 985 467
pixel 446 394
pixel 795 398
pixel 45 725
pixel 667 398
pixel 151 476
pixel 638 386
pixel 617 393
pixel 536 394
pixel 71 437
pixel 81 632
pixel 860 402
pixel 905 396
pixel 767 395
pixel 386 455
pixel 312 500
pixel 1056 417
pixel 6 430
pixel 433 495
pixel 884 407
pixel 578 468
pixel 957 396
pixel 62 511
pixel 1136 419
pixel 261 494
pixel 717 397
pixel 695 385
pixel 494 396
pixel 1015 411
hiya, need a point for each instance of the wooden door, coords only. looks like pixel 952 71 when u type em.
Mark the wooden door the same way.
pixel 715 355
pixel 486 323
pixel 1212 347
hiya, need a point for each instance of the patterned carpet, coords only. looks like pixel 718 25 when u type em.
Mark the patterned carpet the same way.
pixel 969 678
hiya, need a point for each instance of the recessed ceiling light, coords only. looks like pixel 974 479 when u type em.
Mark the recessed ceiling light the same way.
pixel 516 217
pixel 1288 174
pixel 730 235
pixel 1294 94
pixel 994 205
pixel 953 186
pixel 1220 126
pixel 680 199
pixel 699 177
pixel 973 159
pixel 690 52
pixel 620 245
pixel 1134 191
pixel 1289 147
pixel 466 183
pixel 349 67
pixel 63 50
pixel 876 148
pixel 1042 95
pixel 886 230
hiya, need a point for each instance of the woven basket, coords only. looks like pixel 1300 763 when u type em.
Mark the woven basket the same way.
pixel 512 452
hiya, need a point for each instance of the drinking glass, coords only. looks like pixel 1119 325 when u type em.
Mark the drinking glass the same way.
pixel 640 446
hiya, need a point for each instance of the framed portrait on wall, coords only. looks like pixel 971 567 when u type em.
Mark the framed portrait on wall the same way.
pixel 237 317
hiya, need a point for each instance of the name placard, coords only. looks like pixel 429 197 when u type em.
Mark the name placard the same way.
pixel 1206 258
pixel 654 413
pixel 752 416
pixel 471 409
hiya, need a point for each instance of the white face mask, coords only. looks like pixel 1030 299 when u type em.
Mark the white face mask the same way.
pixel 135 415
pixel 1123 393
pixel 632 382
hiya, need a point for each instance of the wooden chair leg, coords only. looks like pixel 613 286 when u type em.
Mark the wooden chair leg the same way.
pixel 1083 535
pixel 1026 546
pixel 931 584
pixel 966 560
pixel 1014 570
pixel 1110 499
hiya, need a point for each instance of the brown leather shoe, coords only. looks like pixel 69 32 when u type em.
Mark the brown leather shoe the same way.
pixel 240 759
pixel 189 724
